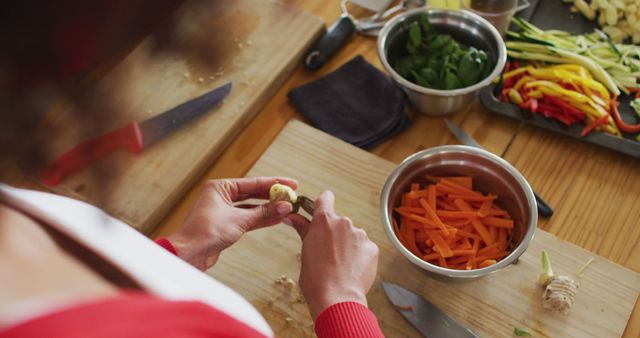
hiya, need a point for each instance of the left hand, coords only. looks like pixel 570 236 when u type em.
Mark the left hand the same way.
pixel 214 223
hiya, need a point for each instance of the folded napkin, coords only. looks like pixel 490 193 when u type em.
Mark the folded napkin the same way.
pixel 356 103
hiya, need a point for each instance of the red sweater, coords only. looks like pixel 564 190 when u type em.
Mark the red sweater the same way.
pixel 136 314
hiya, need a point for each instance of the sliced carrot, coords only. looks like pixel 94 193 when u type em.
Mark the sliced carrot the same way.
pixel 464 181
pixel 467 234
pixel 451 225
pixel 489 250
pixel 486 263
pixel 446 205
pixel 463 190
pixel 497 212
pixel 497 222
pixel 434 217
pixel 440 243
pixel 411 243
pixel 431 257
pixel 502 239
pixel 431 196
pixel 466 244
pixel 463 252
pixel 485 207
pixel 493 232
pixel 415 194
pixel 396 230
pixel 424 221
pixel 457 223
pixel 480 228
pixel 472 198
pixel 456 214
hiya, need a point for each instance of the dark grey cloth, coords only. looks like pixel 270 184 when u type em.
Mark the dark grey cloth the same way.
pixel 356 103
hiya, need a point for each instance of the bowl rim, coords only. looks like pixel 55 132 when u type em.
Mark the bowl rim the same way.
pixel 500 60
pixel 452 273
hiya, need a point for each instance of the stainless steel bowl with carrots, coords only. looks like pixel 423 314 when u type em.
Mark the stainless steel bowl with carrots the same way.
pixel 458 212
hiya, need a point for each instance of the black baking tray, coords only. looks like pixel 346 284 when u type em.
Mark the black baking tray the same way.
pixel 555 14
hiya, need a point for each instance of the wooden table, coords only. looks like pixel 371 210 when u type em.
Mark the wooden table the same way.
pixel 595 192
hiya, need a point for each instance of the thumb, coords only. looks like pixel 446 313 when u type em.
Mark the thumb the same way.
pixel 298 222
pixel 266 214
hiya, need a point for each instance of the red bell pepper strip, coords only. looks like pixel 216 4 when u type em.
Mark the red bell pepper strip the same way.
pixel 565 107
pixel 635 90
pixel 595 124
pixel 628 128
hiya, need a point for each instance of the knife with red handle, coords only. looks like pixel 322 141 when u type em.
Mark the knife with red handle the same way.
pixel 134 137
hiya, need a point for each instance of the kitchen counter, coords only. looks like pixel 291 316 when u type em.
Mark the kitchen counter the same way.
pixel 595 192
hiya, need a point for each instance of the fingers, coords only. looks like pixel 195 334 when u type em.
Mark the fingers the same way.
pixel 324 203
pixel 298 222
pixel 265 215
pixel 255 187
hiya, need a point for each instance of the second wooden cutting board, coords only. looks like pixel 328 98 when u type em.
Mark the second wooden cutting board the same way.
pixel 254 43
pixel 491 306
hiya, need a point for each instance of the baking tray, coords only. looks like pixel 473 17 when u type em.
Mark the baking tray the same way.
pixel 554 14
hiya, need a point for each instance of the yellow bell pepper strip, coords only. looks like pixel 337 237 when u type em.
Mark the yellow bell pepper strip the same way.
pixel 515 97
pixel 565 92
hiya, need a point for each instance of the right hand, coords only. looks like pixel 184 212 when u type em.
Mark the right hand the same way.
pixel 339 262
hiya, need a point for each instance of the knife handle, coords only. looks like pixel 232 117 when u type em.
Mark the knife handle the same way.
pixel 77 158
pixel 543 208
pixel 330 43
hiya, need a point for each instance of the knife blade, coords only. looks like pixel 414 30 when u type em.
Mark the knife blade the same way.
pixel 426 317
pixel 135 136
pixel 543 208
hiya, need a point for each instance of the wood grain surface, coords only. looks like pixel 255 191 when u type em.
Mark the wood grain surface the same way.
pixel 493 132
pixel 491 306
pixel 596 187
pixel 256 44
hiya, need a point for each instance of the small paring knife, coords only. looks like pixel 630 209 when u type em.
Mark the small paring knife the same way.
pixel 135 136
pixel 543 208
pixel 426 317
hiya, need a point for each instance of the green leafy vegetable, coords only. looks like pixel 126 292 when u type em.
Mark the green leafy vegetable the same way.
pixel 438 61
pixel 521 332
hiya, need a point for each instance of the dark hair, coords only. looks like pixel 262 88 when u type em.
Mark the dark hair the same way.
pixel 52 53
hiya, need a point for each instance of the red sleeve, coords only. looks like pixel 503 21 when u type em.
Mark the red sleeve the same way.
pixel 165 243
pixel 133 315
pixel 347 319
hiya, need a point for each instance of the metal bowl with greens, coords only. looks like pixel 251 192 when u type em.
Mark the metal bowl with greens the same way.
pixel 437 60
pixel 441 58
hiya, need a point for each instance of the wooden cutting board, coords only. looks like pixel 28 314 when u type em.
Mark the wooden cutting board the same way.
pixel 491 306
pixel 254 43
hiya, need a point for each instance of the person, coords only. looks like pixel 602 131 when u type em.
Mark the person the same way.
pixel 47 290
pixel 68 269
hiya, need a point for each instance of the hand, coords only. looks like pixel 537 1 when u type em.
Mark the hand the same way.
pixel 339 262
pixel 215 223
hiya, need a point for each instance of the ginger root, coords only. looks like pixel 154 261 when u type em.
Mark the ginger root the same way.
pixel 281 192
pixel 559 291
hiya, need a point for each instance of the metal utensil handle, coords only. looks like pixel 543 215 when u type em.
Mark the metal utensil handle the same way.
pixel 329 44
pixel 543 208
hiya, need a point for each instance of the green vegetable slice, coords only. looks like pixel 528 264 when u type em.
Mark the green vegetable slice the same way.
pixel 521 332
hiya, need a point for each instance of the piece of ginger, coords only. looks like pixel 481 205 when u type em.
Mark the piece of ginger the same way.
pixel 281 192
pixel 559 291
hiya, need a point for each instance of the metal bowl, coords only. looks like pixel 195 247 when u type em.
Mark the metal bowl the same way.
pixel 466 27
pixel 491 174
